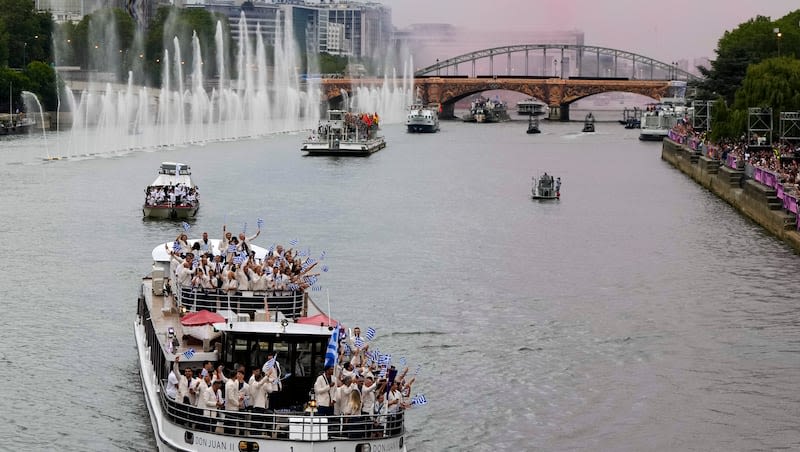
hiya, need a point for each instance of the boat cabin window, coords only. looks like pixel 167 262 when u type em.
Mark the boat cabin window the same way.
pixel 335 115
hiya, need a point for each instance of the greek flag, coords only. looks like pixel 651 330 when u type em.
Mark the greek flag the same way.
pixel 358 342
pixel 239 259
pixel 176 247
pixel 293 242
pixel 322 256
pixel 332 353
pixel 325 268
pixel 271 249
pixel 370 335
pixel 231 248
pixel 382 374
pixel 188 353
pixel 260 223
pixel 196 261
pixel 316 288
pixel 384 360
pixel 304 253
pixel 402 361
pixel 311 280
pixel 419 399
pixel 416 371
pixel 269 364
pixel 185 226
pixel 293 286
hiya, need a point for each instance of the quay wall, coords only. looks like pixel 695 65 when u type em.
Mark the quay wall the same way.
pixel 753 199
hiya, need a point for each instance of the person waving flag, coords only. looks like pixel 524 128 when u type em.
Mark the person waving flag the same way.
pixel 332 353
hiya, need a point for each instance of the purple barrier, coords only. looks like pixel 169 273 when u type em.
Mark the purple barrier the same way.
pixel 758 174
pixel 780 191
pixel 790 203
pixel 730 162
pixel 770 180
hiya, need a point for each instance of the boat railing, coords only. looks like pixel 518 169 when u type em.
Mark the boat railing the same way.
pixel 282 424
pixel 290 303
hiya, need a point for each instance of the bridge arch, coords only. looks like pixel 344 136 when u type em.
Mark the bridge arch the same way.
pixel 569 60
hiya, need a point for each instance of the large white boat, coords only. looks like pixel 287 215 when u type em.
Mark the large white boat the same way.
pixel 658 119
pixel 422 118
pixel 345 133
pixel 178 328
pixel 530 107
pixel 172 194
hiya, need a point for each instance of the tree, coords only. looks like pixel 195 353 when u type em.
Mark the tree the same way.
pixel 750 43
pixel 28 32
pixel 42 82
pixel 3 44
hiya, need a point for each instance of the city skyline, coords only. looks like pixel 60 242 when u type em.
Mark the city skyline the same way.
pixel 682 30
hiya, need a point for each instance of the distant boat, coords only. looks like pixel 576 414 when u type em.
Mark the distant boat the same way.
pixel 588 123
pixel 422 118
pixel 533 125
pixel 546 187
pixel 530 107
pixel 487 110
pixel 346 134
pixel 182 204
pixel 659 118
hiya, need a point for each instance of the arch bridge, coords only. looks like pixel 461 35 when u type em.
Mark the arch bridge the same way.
pixel 577 71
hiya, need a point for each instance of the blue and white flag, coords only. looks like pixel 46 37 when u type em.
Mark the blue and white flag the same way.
pixel 370 334
pixel 416 371
pixel 384 360
pixel 316 288
pixel 322 255
pixel 304 253
pixel 231 248
pixel 382 374
pixel 269 364
pixel 358 342
pixel 239 259
pixel 188 353
pixel 402 361
pixel 176 247
pixel 260 223
pixel 332 353
pixel 293 242
pixel 185 226
pixel 271 249
pixel 292 286
pixel 325 268
pixel 419 399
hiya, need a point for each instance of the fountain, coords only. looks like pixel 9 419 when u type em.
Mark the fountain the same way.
pixel 262 100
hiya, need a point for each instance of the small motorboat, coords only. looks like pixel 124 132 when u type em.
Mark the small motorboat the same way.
pixel 533 125
pixel 546 187
pixel 588 123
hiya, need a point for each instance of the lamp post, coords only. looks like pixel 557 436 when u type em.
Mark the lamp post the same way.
pixel 24 54
pixel 555 67
pixel 778 36
pixel 437 67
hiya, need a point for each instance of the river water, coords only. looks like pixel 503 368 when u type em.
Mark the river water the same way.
pixel 639 312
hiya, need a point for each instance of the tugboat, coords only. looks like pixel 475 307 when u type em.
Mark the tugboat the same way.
pixel 533 125
pixel 545 187
pixel 588 123
pixel 279 336
pixel 347 134
pixel 173 194
pixel 422 118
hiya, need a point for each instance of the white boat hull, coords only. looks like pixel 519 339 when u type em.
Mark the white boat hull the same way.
pixel 180 212
pixel 174 437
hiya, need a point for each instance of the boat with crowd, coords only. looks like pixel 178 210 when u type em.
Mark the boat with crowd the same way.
pixel 658 119
pixel 346 134
pixel 281 331
pixel 484 110
pixel 172 194
pixel 422 118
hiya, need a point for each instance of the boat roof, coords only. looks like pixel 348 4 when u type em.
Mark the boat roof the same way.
pixel 167 176
pixel 291 328
pixel 160 253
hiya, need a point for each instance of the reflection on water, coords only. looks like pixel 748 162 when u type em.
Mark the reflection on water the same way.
pixel 638 312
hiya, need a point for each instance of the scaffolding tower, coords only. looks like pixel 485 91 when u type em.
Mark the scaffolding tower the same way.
pixel 759 126
pixel 701 114
pixel 790 127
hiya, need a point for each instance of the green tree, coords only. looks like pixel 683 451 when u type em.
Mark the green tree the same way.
pixel 3 44
pixel 749 43
pixel 12 83
pixel 332 64
pixel 42 82
pixel 28 32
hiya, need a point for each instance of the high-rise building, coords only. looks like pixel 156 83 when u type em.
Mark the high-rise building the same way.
pixel 74 10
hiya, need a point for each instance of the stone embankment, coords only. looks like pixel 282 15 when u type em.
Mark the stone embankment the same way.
pixel 755 200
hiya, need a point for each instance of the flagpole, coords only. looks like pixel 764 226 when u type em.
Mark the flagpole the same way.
pixel 328 291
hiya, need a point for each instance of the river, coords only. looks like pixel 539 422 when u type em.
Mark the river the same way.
pixel 639 312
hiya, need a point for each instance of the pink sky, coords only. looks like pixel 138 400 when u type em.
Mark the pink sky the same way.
pixel 663 30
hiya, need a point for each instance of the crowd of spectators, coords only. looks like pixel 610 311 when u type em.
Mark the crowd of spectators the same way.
pixel 778 158
pixel 170 195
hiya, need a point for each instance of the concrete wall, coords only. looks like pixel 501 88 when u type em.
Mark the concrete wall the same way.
pixel 753 199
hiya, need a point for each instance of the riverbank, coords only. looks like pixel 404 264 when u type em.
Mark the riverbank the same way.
pixel 755 200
